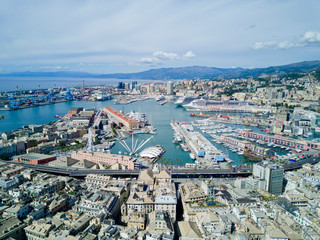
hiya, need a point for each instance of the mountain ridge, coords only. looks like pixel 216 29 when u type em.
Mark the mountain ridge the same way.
pixel 189 72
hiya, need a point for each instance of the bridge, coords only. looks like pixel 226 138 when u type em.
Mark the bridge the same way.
pixel 176 172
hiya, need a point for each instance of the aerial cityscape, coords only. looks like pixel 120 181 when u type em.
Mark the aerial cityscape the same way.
pixel 205 125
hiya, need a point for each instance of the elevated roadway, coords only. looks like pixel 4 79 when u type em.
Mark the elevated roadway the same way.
pixel 176 173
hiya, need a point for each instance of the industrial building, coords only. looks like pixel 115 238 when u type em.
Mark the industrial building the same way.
pixel 34 158
pixel 121 118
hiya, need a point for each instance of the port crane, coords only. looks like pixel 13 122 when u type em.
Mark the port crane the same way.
pixel 69 96
pixel 13 103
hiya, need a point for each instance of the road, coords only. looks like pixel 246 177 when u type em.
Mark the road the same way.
pixel 176 173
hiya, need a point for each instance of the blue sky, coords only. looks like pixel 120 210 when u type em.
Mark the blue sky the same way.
pixel 130 36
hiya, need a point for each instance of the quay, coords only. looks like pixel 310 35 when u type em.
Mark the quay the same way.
pixel 284 141
pixel 203 150
pixel 239 121
pixel 252 151
pixel 130 99
pixel 15 100
pixel 33 105
pixel 223 108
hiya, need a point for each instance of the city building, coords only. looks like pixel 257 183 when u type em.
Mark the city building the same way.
pixel 12 170
pixel 38 230
pixel 37 212
pixel 80 224
pixel 118 186
pixel 273 176
pixel 34 158
pixel 100 202
pixel 153 191
pixel 274 180
pixel 285 141
pixel 19 211
pixel 170 88
pixel 210 224
pixel 208 188
pixel 11 227
pixel 105 158
pixel 6 183
pixel 159 226
pixel 57 205
pixel 136 219
pixel 189 231
pixel 121 118
pixel 97 180
pixel 192 192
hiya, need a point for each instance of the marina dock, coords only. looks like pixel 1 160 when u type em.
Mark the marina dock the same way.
pixel 205 153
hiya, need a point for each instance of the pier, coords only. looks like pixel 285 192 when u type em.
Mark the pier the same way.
pixel 241 121
pixel 203 150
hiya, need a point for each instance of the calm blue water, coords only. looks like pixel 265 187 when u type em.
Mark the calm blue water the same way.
pixel 159 115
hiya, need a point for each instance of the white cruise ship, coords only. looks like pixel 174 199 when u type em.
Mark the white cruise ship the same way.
pixel 185 100
pixel 103 97
pixel 210 104
pixel 225 105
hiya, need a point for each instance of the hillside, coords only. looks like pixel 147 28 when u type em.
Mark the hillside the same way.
pixel 190 72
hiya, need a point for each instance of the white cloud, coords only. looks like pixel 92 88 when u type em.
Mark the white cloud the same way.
pixel 189 54
pixel 287 45
pixel 161 57
pixel 276 45
pixel 309 38
pixel 54 68
pixel 149 60
pixel 165 55
pixel 263 45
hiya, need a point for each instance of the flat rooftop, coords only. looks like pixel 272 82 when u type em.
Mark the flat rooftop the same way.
pixel 9 224
pixel 35 156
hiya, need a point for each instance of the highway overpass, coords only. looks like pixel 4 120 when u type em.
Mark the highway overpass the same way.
pixel 176 172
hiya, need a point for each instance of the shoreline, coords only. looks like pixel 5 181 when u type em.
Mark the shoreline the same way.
pixel 37 105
